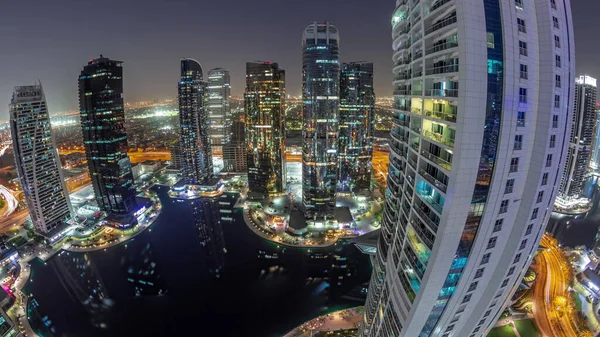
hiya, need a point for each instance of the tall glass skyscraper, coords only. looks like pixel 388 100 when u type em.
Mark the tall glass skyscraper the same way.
pixel 580 141
pixel 36 159
pixel 264 105
pixel 320 96
pixel 104 135
pixel 219 115
pixel 478 144
pixel 357 104
pixel 194 139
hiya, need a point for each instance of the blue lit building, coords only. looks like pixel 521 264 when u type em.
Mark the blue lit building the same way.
pixel 320 96
pixel 194 138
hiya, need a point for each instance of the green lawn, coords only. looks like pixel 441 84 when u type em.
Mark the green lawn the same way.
pixel 578 304
pixel 527 328
pixel 503 331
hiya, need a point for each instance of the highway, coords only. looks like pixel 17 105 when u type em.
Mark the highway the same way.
pixel 11 201
pixel 551 308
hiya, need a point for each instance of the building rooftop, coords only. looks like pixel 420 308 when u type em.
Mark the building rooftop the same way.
pixel 343 215
pixel 297 220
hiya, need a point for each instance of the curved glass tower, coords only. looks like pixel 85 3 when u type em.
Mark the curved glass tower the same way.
pixel 104 135
pixel 218 106
pixel 479 138
pixel 264 107
pixel 194 139
pixel 320 95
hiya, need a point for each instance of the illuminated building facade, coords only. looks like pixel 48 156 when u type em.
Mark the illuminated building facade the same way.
pixel 235 152
pixel 194 139
pixel 357 104
pixel 478 145
pixel 219 114
pixel 595 161
pixel 581 139
pixel 320 96
pixel 37 160
pixel 264 106
pixel 104 136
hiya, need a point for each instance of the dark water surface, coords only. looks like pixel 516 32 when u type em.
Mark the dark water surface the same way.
pixel 187 278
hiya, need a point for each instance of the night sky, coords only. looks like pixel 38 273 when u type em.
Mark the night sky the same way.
pixel 53 40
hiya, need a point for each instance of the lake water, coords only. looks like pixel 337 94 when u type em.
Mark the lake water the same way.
pixel 193 276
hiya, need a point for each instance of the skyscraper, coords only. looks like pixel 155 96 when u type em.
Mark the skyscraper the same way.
pixel 104 137
pixel 235 152
pixel 580 141
pixel 219 116
pixel 465 207
pixel 357 103
pixel 36 159
pixel 595 161
pixel 264 105
pixel 194 140
pixel 320 96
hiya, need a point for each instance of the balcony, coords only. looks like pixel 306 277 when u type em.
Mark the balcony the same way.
pixel 405 108
pixel 417 92
pixel 444 116
pixel 403 76
pixel 442 92
pixel 439 138
pixel 416 111
pixel 439 25
pixel 418 246
pixel 452 68
pixel 430 196
pixel 437 160
pixel 418 55
pixel 442 46
pixel 437 5
pixel 421 213
pixel 441 186
pixel 412 163
pixel 422 232
pixel 415 146
pixel 416 128
pixel 397 150
pixel 397 136
pixel 401 92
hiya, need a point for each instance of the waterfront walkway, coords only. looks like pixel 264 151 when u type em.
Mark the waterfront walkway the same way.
pixel 338 320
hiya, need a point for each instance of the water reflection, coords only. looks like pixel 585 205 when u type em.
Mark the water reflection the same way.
pixel 199 265
pixel 84 284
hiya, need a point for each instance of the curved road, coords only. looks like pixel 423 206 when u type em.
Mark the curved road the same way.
pixel 11 201
pixel 552 281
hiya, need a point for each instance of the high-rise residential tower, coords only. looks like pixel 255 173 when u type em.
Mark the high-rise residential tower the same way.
pixel 264 105
pixel 104 137
pixel 357 104
pixel 235 152
pixel 219 116
pixel 580 141
pixel 320 96
pixel 482 102
pixel 595 161
pixel 37 160
pixel 194 139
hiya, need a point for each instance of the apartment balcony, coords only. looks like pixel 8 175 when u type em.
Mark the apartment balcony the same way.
pixel 438 5
pixel 415 146
pixel 439 138
pixel 416 128
pixel 397 136
pixel 416 92
pixel 429 200
pixel 437 160
pixel 416 111
pixel 412 163
pixel 401 92
pixel 431 179
pixel 441 24
pixel 448 69
pixel 442 92
pixel 440 47
pixel 428 221
pixel 402 108
pixel 440 115
pixel 402 77
pixel 423 235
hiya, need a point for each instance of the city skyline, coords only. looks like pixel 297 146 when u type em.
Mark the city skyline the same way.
pixel 158 46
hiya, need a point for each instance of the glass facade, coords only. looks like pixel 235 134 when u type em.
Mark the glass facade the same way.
pixel 320 95
pixel 104 136
pixel 355 149
pixel 218 106
pixel 264 105
pixel 194 139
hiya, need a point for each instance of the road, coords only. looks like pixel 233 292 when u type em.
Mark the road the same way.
pixel 135 157
pixel 13 221
pixel 11 201
pixel 381 162
pixel 551 285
